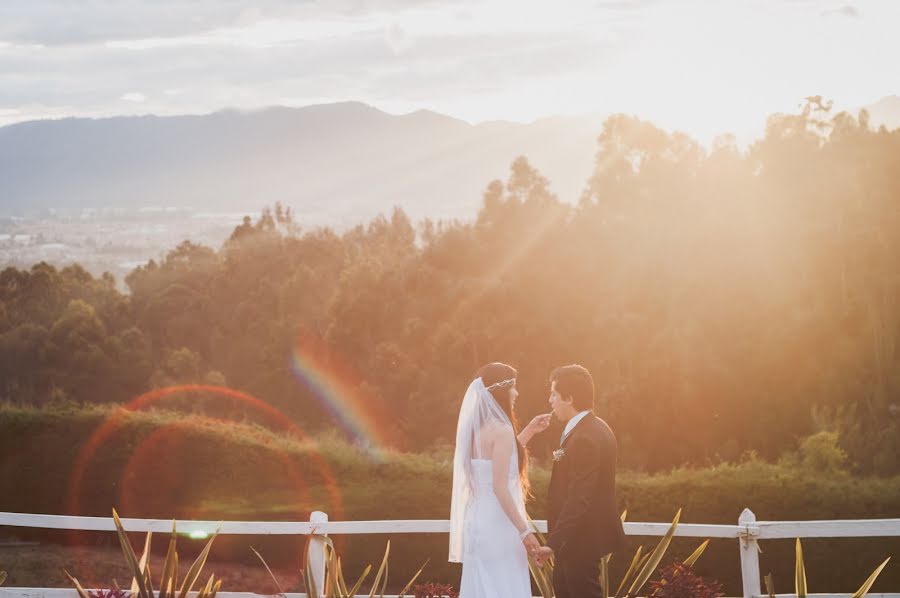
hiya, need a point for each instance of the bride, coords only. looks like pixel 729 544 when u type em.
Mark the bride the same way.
pixel 489 530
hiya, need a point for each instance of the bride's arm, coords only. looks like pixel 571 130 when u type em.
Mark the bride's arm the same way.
pixel 535 426
pixel 501 455
pixel 526 435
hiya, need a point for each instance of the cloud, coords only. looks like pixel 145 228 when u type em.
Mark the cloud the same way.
pixel 55 23
pixel 397 39
pixel 250 65
pixel 261 34
pixel 66 23
pixel 133 96
pixel 496 59
pixel 844 11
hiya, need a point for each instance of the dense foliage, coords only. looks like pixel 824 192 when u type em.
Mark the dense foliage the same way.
pixel 725 301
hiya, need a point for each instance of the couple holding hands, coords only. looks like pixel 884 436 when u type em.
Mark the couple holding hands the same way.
pixel 490 532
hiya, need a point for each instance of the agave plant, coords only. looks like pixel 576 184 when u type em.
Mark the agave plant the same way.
pixel 639 571
pixel 335 583
pixel 800 587
pixel 169 587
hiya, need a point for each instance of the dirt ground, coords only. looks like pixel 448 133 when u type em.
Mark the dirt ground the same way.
pixel 42 566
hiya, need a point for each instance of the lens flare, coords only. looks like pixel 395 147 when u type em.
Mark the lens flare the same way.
pixel 160 457
pixel 359 412
pixel 161 448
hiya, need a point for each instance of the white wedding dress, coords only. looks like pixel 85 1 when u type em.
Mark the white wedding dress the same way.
pixel 482 536
pixel 495 564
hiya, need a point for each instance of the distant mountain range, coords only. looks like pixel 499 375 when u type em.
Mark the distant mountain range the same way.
pixel 334 163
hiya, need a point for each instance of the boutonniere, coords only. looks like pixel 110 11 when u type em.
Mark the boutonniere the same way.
pixel 558 454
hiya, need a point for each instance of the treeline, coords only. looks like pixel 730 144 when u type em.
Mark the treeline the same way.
pixel 725 300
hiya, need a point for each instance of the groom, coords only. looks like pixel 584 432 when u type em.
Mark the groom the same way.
pixel 581 511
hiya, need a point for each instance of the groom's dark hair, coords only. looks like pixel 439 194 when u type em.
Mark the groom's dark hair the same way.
pixel 576 382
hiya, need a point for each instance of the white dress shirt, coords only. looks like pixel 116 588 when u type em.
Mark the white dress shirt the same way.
pixel 572 423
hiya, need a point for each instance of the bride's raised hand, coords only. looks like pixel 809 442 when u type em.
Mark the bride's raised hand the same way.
pixel 535 426
pixel 540 422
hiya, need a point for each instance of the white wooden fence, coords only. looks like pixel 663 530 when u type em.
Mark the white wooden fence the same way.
pixel 748 532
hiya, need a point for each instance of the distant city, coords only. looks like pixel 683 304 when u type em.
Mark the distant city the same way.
pixel 114 240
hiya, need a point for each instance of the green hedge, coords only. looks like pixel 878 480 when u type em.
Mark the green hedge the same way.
pixel 161 465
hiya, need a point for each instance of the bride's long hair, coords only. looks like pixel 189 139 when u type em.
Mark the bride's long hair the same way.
pixel 498 372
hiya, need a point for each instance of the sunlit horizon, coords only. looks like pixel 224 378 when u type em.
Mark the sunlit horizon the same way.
pixel 704 68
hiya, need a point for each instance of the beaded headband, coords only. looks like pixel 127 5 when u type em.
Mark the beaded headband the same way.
pixel 502 383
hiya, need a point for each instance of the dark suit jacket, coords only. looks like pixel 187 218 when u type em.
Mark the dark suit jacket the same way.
pixel 581 512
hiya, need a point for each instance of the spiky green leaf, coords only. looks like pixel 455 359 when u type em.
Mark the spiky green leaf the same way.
pixel 867 585
pixel 78 588
pixel 359 581
pixel 130 557
pixel 272 575
pixel 145 557
pixel 541 578
pixel 632 570
pixel 381 570
pixel 412 581
pixel 800 573
pixel 169 567
pixel 655 558
pixel 689 562
pixel 604 574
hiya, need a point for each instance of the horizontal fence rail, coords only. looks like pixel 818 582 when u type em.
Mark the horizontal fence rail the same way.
pixel 748 532
pixel 762 530
pixel 412 526
pixel 850 528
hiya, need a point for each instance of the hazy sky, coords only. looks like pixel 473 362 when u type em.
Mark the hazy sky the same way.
pixel 702 66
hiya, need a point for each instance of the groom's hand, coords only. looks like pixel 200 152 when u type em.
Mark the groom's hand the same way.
pixel 544 554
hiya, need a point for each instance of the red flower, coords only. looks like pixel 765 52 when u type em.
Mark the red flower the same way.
pixel 679 581
pixel 434 590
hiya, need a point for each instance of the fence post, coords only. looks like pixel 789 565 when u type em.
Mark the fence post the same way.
pixel 749 555
pixel 317 554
